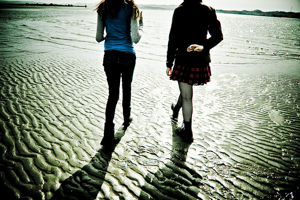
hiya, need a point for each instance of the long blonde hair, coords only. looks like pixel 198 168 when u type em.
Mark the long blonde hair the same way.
pixel 112 7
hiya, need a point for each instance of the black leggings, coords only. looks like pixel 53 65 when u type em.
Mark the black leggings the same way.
pixel 118 65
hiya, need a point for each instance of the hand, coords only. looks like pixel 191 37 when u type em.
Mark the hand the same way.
pixel 168 71
pixel 141 15
pixel 195 47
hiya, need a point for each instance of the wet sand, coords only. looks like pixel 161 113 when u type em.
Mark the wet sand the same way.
pixel 246 133
pixel 53 94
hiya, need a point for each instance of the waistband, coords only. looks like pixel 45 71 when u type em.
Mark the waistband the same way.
pixel 120 54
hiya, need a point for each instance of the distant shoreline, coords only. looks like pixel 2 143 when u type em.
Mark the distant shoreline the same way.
pixel 261 13
pixel 160 7
pixel 243 12
pixel 35 5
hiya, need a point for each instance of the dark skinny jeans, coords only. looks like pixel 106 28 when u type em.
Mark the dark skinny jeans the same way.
pixel 118 65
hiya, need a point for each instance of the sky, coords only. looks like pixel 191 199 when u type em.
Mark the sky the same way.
pixel 264 5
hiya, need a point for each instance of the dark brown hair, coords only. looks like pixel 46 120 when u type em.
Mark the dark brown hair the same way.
pixel 112 7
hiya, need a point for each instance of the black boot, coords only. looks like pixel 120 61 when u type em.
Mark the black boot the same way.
pixel 175 113
pixel 188 128
pixel 185 132
pixel 126 123
pixel 109 132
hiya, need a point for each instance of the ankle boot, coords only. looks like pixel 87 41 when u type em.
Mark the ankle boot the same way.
pixel 109 132
pixel 175 113
pixel 188 129
pixel 185 132
pixel 126 123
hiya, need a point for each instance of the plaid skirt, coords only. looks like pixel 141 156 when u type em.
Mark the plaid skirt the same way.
pixel 196 75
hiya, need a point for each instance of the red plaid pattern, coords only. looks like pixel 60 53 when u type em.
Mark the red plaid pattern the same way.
pixel 191 75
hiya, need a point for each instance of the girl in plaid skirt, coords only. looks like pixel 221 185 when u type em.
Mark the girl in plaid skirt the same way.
pixel 189 47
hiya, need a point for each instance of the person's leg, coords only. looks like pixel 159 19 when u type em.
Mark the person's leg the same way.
pixel 113 80
pixel 186 92
pixel 176 108
pixel 127 76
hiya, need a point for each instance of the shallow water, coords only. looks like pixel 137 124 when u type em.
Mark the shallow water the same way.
pixel 52 103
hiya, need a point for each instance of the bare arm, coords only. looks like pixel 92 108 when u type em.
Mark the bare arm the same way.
pixel 100 29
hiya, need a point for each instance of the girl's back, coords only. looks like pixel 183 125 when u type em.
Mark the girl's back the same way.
pixel 118 31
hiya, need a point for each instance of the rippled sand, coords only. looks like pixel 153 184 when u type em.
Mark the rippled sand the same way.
pixel 53 93
pixel 246 131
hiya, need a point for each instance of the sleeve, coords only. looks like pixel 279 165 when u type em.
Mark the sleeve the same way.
pixel 215 31
pixel 172 47
pixel 100 29
pixel 136 29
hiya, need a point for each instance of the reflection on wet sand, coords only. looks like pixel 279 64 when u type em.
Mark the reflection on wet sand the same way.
pixel 53 93
pixel 86 182
pixel 175 179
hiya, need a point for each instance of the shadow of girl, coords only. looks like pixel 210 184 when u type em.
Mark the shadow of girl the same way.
pixel 175 180
pixel 86 183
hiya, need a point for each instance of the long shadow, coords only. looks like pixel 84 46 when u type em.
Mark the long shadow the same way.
pixel 175 180
pixel 86 183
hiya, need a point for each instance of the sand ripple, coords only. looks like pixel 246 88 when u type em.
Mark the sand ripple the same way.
pixel 53 93
pixel 52 114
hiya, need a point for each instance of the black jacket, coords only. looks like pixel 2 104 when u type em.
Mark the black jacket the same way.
pixel 190 25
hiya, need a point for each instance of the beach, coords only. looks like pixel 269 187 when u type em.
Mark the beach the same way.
pixel 53 93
